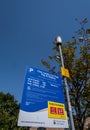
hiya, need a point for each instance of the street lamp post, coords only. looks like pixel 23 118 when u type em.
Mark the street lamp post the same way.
pixel 59 44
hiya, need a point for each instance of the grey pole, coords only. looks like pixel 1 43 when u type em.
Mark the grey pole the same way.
pixel 59 44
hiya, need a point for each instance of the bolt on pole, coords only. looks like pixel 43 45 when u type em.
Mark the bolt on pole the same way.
pixel 59 44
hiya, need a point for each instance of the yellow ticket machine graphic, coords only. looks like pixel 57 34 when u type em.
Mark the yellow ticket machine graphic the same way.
pixel 56 110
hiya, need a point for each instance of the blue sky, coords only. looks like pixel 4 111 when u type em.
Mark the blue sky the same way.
pixel 27 29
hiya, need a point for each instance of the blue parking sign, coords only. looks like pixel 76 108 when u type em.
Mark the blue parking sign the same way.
pixel 40 87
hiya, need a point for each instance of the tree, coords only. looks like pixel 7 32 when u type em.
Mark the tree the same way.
pixel 76 56
pixel 9 109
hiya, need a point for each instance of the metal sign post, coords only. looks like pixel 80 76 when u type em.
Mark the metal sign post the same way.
pixel 59 43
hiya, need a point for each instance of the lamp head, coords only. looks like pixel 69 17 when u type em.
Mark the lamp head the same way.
pixel 58 40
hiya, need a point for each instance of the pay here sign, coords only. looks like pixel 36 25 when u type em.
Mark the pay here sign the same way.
pixel 42 102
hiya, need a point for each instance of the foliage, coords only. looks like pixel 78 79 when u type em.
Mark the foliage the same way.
pixel 9 109
pixel 76 56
